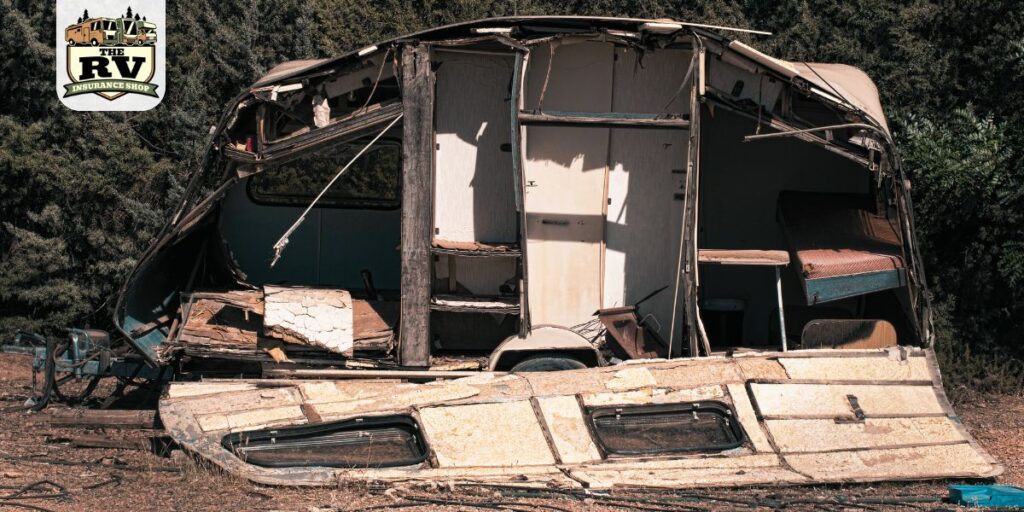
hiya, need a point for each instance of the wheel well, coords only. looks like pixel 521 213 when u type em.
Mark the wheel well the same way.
pixel 513 357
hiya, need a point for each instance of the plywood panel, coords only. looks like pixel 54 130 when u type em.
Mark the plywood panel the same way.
pixel 580 79
pixel 654 396
pixel 400 399
pixel 863 368
pixel 488 427
pixel 229 401
pixel 495 434
pixel 565 172
pixel 251 420
pixel 644 217
pixel 196 389
pixel 320 318
pixel 643 221
pixel 473 176
pixel 688 478
pixel 567 427
pixel 918 463
pixel 827 435
pixel 748 418
pixel 826 401
pixel 688 472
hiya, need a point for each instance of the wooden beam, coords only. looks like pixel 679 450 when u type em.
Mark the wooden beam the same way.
pixel 102 418
pixel 417 203
pixel 328 374
pixel 607 119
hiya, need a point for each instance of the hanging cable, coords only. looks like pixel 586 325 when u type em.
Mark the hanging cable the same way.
pixel 283 241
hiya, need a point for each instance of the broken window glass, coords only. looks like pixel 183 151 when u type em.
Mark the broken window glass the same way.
pixel 373 181
pixel 359 443
pixel 653 429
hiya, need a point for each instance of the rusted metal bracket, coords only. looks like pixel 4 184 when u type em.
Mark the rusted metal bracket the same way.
pixel 632 339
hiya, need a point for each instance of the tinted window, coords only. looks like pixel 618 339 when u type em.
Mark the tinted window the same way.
pixel 359 443
pixel 653 429
pixel 373 181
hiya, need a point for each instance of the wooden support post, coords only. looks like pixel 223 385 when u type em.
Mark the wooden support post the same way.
pixel 519 183
pixel 417 203
pixel 686 271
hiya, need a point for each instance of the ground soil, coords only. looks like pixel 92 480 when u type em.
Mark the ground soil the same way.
pixel 133 479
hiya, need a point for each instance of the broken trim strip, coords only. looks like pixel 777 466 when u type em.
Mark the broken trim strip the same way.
pixel 611 119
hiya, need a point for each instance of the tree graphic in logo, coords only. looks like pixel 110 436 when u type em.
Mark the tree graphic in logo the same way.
pixel 111 56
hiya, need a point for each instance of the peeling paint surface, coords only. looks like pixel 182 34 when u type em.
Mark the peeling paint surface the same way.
pixel 310 316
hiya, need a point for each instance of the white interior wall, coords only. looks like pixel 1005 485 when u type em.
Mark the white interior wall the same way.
pixel 729 79
pixel 474 200
pixel 644 218
pixel 602 219
pixel 565 172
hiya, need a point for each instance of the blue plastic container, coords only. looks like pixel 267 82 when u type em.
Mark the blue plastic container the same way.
pixel 1006 496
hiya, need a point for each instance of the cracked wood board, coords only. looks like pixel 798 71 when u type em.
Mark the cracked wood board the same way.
pixel 748 418
pixel 797 436
pixel 481 435
pixel 310 316
pixel 412 396
pixel 747 469
pixel 924 462
pixel 831 400
pixel 564 419
pixel 876 368
pixel 654 395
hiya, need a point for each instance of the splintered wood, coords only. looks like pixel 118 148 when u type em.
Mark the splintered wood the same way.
pixel 310 316
pixel 881 417
pixel 302 323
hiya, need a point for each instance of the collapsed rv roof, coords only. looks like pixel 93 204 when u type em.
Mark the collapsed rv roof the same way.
pixel 841 83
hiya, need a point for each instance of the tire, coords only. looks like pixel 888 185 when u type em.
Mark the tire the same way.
pixel 138 42
pixel 71 42
pixel 547 363
pixel 95 42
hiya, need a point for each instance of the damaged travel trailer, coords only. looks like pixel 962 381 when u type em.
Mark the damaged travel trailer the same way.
pixel 717 245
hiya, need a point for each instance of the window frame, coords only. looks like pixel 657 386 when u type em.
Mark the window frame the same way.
pixel 711 406
pixel 343 204
pixel 275 436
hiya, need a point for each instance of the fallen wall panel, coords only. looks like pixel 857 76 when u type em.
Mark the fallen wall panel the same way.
pixel 538 429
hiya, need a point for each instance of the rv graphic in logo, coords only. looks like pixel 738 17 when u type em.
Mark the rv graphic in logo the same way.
pixel 113 59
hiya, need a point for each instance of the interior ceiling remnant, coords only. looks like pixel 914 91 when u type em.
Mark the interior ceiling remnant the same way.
pixel 807 417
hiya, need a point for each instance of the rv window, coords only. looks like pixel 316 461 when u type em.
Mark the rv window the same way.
pixel 373 181
pixel 379 442
pixel 670 428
